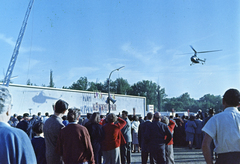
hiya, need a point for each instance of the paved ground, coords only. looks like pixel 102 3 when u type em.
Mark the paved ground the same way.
pixel 182 155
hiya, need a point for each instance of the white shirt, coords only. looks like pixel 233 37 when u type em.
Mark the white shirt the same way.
pixel 135 125
pixel 224 128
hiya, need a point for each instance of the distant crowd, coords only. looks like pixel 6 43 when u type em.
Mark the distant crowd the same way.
pixel 111 139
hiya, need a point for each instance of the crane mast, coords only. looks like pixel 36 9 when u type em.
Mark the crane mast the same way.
pixel 8 75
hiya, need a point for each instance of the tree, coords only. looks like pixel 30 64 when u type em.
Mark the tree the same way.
pixel 81 84
pixel 29 82
pixel 154 95
pixel 122 85
pixel 51 83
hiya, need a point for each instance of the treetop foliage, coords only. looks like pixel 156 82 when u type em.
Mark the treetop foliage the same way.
pixel 155 95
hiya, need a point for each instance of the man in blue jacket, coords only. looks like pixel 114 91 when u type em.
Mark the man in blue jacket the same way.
pixel 126 131
pixel 15 145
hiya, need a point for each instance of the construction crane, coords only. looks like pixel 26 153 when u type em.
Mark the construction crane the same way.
pixel 8 75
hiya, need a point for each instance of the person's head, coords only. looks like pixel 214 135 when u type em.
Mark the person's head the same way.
pixel 64 117
pixel 192 118
pixel 73 114
pixel 5 104
pixel 111 117
pixel 38 127
pixel 211 111
pixel 157 116
pixel 25 116
pixel 124 114
pixel 165 120
pixel 89 115
pixel 60 106
pixel 149 116
pixel 205 114
pixel 15 115
pixel 19 118
pixel 135 118
pixel 231 98
pixel 176 115
pixel 39 114
pixel 47 114
pixel 95 118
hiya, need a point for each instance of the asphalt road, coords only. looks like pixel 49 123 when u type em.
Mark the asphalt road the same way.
pixel 182 155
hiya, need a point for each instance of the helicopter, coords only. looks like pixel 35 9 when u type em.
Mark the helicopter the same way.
pixel 196 60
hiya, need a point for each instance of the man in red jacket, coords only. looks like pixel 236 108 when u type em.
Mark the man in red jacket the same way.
pixel 113 139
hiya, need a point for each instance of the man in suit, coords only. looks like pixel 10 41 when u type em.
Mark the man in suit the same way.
pixel 52 128
pixel 144 147
pixel 155 138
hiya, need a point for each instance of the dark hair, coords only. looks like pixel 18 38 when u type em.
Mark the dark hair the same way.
pixel 211 111
pixel 192 117
pixel 19 118
pixel 149 116
pixel 73 114
pixel 124 112
pixel 64 117
pixel 61 106
pixel 232 97
pixel 135 118
pixel 39 113
pixel 89 115
pixel 25 115
pixel 95 118
pixel 46 114
pixel 38 127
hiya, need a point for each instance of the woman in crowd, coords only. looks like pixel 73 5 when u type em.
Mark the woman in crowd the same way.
pixel 113 139
pixel 97 135
pixel 190 131
pixel 135 125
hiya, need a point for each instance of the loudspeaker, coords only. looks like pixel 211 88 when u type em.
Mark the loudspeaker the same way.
pixel 111 99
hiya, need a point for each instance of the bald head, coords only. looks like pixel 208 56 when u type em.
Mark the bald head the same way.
pixel 157 116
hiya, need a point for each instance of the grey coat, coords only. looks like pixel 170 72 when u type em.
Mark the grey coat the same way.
pixel 126 131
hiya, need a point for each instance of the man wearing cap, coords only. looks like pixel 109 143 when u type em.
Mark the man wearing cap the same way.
pixel 51 129
pixel 224 130
pixel 15 145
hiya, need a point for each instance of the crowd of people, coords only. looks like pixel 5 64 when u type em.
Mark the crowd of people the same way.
pixel 111 139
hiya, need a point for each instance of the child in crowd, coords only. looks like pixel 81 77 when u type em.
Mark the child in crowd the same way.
pixel 38 143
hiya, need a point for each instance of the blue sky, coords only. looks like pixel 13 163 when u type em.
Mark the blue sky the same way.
pixel 91 38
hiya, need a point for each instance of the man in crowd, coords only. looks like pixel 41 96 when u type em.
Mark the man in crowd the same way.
pixel 15 145
pixel 45 117
pixel 141 132
pixel 24 124
pixel 51 129
pixel 74 143
pixel 126 148
pixel 155 137
pixel 224 129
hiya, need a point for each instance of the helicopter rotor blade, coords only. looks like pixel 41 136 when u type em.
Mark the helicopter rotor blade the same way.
pixel 208 51
pixel 193 49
